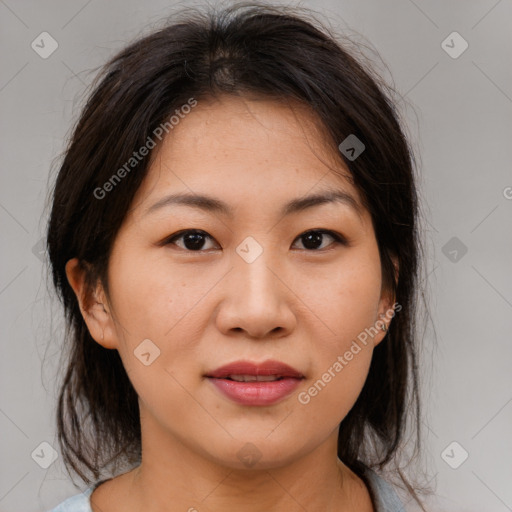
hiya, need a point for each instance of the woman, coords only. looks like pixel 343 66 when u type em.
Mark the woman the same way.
pixel 234 239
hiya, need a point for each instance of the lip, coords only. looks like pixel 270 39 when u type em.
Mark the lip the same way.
pixel 256 393
pixel 269 367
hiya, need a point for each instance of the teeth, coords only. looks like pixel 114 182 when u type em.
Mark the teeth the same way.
pixel 253 378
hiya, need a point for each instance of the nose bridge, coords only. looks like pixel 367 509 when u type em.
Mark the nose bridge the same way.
pixel 254 271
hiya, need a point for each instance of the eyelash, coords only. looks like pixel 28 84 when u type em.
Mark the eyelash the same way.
pixel 338 239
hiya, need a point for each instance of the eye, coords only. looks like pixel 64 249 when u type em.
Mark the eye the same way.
pixel 193 239
pixel 314 238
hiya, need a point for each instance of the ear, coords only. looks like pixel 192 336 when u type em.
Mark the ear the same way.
pixel 387 307
pixel 93 305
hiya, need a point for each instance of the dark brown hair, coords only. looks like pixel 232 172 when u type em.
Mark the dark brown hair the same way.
pixel 253 49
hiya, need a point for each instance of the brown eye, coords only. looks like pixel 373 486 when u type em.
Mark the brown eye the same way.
pixel 313 239
pixel 193 239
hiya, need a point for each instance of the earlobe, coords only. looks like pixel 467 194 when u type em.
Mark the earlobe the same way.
pixel 387 310
pixel 387 307
pixel 382 326
pixel 94 308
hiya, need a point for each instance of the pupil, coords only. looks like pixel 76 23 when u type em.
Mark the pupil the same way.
pixel 193 241
pixel 312 240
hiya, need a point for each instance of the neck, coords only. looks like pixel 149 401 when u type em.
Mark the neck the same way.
pixel 173 477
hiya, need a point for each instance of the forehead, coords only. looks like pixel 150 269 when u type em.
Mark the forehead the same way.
pixel 245 149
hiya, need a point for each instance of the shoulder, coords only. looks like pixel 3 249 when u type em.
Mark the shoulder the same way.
pixel 77 503
pixel 383 495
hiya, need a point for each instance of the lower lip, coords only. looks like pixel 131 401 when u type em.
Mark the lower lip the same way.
pixel 257 392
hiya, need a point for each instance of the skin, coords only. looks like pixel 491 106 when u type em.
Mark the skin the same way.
pixel 203 309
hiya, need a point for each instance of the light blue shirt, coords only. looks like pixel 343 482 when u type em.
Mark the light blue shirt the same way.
pixel 384 496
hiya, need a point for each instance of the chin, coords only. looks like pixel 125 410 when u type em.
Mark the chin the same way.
pixel 257 452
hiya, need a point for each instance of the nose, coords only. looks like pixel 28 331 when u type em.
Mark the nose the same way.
pixel 256 300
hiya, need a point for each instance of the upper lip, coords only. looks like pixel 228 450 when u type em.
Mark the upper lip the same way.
pixel 269 367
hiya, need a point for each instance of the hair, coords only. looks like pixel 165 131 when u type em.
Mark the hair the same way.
pixel 246 49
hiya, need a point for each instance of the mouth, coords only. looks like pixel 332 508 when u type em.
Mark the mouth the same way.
pixel 248 383
pixel 253 378
pixel 247 371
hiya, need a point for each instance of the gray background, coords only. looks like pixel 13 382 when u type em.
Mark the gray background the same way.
pixel 459 116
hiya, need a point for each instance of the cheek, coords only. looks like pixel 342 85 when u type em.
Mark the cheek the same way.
pixel 337 378
pixel 347 306
pixel 345 298
pixel 153 297
pixel 159 309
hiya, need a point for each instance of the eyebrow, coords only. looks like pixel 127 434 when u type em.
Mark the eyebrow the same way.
pixel 211 204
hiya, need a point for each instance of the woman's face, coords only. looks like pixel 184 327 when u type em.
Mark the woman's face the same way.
pixel 255 285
